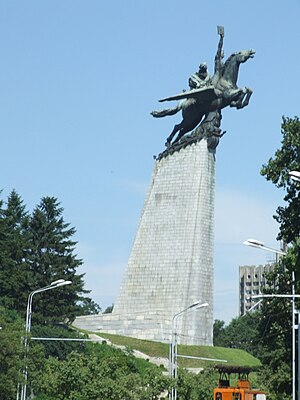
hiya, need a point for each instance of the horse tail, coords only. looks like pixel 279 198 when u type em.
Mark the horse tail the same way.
pixel 167 111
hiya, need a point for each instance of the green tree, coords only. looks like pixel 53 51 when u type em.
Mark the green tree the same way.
pixel 11 353
pixel 240 333
pixel 14 275
pixel 105 374
pixel 196 387
pixel 59 348
pixel 52 257
pixel 88 306
pixel 218 332
pixel 275 326
pixel 287 159
pixel 274 331
pixel 109 309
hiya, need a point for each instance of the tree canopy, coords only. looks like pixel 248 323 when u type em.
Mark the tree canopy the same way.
pixel 37 249
pixel 286 159
pixel 267 333
pixel 275 327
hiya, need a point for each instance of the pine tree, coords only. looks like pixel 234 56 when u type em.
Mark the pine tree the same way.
pixel 14 276
pixel 53 258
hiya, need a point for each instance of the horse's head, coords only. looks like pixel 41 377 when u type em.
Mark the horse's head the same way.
pixel 231 67
pixel 244 55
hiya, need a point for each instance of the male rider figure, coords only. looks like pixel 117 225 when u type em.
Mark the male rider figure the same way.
pixel 200 79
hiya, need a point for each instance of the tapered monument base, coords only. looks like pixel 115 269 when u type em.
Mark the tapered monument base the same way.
pixel 171 263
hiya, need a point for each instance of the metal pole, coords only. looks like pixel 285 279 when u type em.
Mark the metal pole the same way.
pixel 171 363
pixel 175 365
pixel 172 395
pixel 53 285
pixel 27 331
pixel 173 347
pixel 293 340
pixel 298 386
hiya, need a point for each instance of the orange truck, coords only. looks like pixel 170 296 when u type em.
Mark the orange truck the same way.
pixel 242 391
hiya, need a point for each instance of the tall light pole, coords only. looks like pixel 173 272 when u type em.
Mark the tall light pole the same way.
pixel 295 176
pixel 260 245
pixel 291 296
pixel 173 345
pixel 53 285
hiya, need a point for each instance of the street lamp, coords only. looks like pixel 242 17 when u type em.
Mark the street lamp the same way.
pixel 173 345
pixel 53 285
pixel 256 243
pixel 292 296
pixel 295 175
pixel 260 245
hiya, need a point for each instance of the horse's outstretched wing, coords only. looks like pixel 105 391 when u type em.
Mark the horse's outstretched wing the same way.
pixel 203 95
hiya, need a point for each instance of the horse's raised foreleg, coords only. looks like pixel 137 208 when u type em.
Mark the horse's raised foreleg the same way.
pixel 237 96
pixel 246 97
pixel 243 99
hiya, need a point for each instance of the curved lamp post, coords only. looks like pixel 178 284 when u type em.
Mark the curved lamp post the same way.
pixel 173 344
pixel 53 285
pixel 260 245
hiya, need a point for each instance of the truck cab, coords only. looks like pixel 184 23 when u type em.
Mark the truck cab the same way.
pixel 242 391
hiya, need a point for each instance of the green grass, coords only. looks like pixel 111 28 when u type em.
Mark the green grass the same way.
pixel 234 357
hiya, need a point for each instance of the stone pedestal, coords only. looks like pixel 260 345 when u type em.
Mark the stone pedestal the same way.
pixel 171 263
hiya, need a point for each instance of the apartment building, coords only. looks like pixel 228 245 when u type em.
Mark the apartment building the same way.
pixel 252 281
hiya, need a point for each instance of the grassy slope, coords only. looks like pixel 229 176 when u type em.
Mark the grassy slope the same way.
pixel 156 349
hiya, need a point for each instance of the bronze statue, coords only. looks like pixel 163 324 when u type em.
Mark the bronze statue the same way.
pixel 209 94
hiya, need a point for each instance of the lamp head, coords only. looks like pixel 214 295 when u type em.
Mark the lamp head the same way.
pixel 64 283
pixel 57 282
pixel 253 242
pixel 295 175
pixel 202 305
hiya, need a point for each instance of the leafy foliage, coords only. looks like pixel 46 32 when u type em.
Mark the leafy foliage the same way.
pixel 275 326
pixel 14 248
pixel 109 309
pixel 105 374
pixel 52 258
pixel 218 332
pixel 287 159
pixel 275 330
pixel 11 353
pixel 36 250
pixel 58 348
pixel 241 333
pixel 88 306
pixel 196 387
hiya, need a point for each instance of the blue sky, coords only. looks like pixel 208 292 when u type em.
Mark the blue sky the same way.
pixel 78 81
